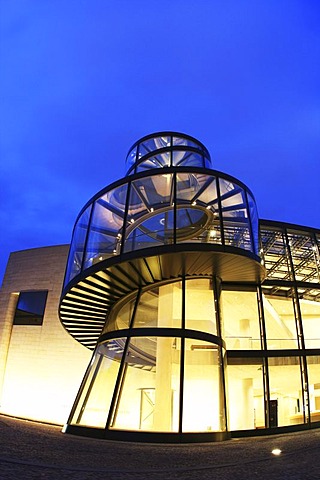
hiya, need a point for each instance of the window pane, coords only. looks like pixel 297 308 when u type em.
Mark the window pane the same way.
pixel 150 214
pixel 240 318
pixel 254 222
pixel 285 391
pixel 314 387
pixel 200 313
pixel 203 406
pixel 197 209
pixel 105 233
pixel 77 246
pixel 187 159
pixel 280 320
pixel 304 257
pixel 246 394
pixel 235 215
pixel 160 307
pixel 275 255
pixel 131 158
pixel 180 141
pixel 151 144
pixel 310 312
pixel 120 318
pixel 30 308
pixel 94 402
pixel 149 398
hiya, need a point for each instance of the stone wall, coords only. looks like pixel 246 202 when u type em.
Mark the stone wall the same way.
pixel 41 367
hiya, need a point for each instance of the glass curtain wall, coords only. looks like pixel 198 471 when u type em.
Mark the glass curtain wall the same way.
pixel 163 209
pixel 166 382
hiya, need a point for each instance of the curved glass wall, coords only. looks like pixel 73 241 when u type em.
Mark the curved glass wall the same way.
pixel 164 209
pixel 166 374
pixel 166 305
pixel 160 364
pixel 166 149
pixel 143 391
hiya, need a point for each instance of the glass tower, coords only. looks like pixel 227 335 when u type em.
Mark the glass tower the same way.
pixel 197 315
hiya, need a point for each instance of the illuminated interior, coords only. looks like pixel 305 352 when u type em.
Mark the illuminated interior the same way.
pixel 203 321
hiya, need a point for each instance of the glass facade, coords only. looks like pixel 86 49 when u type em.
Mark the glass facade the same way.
pixel 202 319
pixel 170 361
pixel 165 199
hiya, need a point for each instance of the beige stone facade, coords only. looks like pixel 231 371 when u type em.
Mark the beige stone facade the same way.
pixel 41 367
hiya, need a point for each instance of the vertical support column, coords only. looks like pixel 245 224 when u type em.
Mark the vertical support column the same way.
pixel 265 365
pixel 163 395
pixel 182 353
pixel 300 336
pixel 216 284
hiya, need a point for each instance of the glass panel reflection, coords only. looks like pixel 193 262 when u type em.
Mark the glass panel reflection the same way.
pixel 106 225
pixel 77 245
pixel 181 158
pixel 254 222
pixel 235 215
pixel 149 394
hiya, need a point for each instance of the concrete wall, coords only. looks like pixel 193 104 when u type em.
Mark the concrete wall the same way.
pixel 41 367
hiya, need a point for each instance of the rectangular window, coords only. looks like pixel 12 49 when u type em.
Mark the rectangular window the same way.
pixel 30 308
pixel 314 387
pixel 280 320
pixel 286 397
pixel 246 393
pixel 240 318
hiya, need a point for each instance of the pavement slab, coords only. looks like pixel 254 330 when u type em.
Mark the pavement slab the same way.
pixel 31 450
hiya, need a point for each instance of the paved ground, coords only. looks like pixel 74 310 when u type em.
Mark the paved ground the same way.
pixel 30 450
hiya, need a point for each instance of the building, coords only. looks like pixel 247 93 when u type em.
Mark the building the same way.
pixel 203 321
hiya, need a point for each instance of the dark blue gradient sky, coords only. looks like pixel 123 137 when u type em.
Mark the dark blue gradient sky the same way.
pixel 80 81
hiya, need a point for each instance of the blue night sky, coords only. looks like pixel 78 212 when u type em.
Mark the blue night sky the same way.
pixel 81 81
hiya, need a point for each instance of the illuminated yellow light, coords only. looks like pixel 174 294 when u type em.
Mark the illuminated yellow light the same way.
pixel 276 451
pixel 151 209
pixel 194 203
pixel 213 233
pixel 100 258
